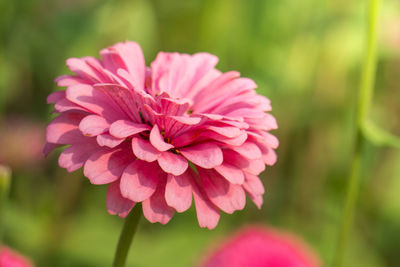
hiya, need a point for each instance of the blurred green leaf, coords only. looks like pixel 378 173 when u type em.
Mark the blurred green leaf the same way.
pixel 379 136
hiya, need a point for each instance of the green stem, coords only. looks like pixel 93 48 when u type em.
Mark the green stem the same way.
pixel 125 239
pixel 368 73
pixel 363 106
pixel 5 177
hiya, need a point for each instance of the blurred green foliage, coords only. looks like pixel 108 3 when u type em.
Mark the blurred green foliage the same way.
pixel 305 55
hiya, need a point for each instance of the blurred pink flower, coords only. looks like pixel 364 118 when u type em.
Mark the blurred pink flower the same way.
pixel 162 134
pixel 262 247
pixel 16 151
pixel 10 258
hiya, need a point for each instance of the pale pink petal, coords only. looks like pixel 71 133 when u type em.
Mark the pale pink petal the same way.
pixel 204 95
pixel 155 208
pixel 55 96
pixel 207 213
pixel 228 197
pixel 93 125
pixel 64 128
pixel 108 140
pixel 254 184
pixel 172 163
pixel 229 132
pixel 235 141
pixel 230 173
pixel 248 150
pixel 139 180
pixel 106 166
pixel 144 150
pixel 64 104
pixel 83 69
pixel 157 140
pixel 207 155
pixel 257 199
pixel 73 157
pixel 116 203
pixel 270 157
pixel 219 97
pixel 253 166
pixel 48 147
pixel 132 55
pixel 95 101
pixel 271 140
pixel 68 80
pixel 122 97
pixel 124 128
pixel 265 123
pixel 178 191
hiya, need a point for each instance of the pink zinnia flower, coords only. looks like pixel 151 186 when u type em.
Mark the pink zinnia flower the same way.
pixel 262 247
pixel 10 258
pixel 162 134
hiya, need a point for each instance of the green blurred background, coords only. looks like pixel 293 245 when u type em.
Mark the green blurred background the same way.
pixel 305 55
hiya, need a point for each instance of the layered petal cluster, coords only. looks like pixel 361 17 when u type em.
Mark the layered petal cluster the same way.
pixel 10 258
pixel 165 134
pixel 258 246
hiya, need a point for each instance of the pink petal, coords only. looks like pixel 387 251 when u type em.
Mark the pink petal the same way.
pixel 157 140
pixel 108 140
pixel 230 173
pixel 248 150
pixel 270 157
pixel 228 197
pixel 81 67
pixel 93 125
pixel 178 191
pixel 64 104
pixel 235 141
pixel 48 147
pixel 106 166
pixel 172 163
pixel 55 96
pixel 64 129
pixel 132 55
pixel 174 107
pixel 144 150
pixel 116 203
pixel 95 101
pixel 254 189
pixel 73 157
pixel 254 184
pixel 221 96
pixel 207 213
pixel 155 208
pixel 271 140
pixel 122 97
pixel 230 132
pixel 206 155
pixel 186 120
pixel 68 80
pixel 124 128
pixel 139 180
pixel 257 199
pixel 204 95
pixel 266 123
pixel 253 166
pixel 111 59
pixel 184 71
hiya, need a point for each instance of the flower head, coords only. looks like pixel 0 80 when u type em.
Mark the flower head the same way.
pixel 10 258
pixel 260 247
pixel 162 134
